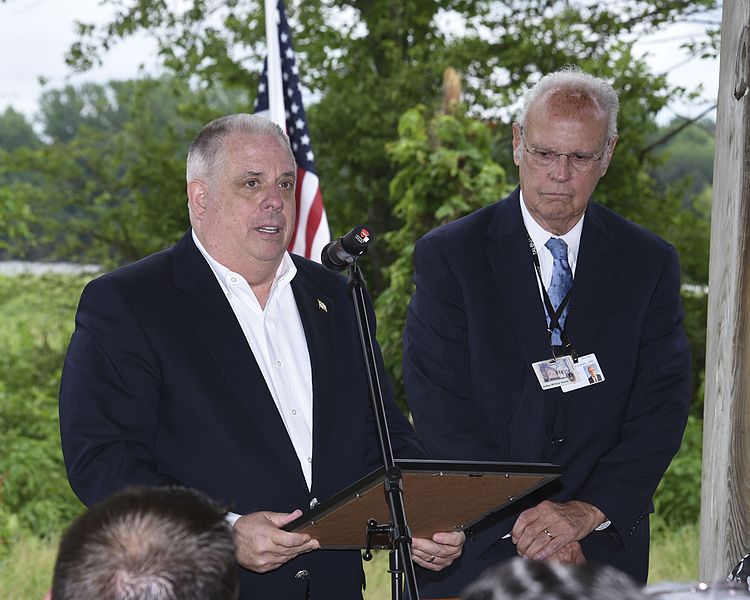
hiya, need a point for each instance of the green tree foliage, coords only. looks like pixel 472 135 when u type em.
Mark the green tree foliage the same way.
pixel 446 171
pixel 15 214
pixel 16 131
pixel 37 319
pixel 689 155
pixel 108 185
pixel 677 500
pixel 368 61
pixel 683 167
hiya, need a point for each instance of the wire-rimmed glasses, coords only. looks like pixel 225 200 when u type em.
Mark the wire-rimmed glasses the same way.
pixel 546 157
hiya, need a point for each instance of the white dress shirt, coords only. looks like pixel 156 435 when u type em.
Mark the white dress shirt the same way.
pixel 540 236
pixel 277 339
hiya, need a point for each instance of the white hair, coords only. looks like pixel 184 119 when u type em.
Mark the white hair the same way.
pixel 571 78
pixel 204 148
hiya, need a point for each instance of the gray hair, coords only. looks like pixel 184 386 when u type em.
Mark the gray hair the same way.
pixel 573 79
pixel 148 543
pixel 524 579
pixel 204 148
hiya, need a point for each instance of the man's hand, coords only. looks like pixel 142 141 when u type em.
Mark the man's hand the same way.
pixel 439 552
pixel 570 554
pixel 262 546
pixel 542 531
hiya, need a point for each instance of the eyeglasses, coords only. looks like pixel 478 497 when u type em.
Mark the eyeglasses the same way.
pixel 580 161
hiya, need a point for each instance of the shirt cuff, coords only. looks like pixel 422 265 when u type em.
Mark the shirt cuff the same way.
pixel 231 518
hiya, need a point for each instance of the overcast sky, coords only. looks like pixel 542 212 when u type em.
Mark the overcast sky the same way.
pixel 35 34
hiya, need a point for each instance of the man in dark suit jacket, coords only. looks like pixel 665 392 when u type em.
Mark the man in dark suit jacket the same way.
pixel 477 323
pixel 227 365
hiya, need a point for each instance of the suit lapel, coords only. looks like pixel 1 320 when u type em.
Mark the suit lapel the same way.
pixel 216 324
pixel 508 252
pixel 318 312
pixel 593 279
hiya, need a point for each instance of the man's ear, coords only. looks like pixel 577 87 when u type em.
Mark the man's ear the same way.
pixel 516 143
pixel 607 158
pixel 197 193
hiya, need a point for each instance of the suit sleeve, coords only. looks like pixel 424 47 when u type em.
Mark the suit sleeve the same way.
pixel 109 398
pixel 623 481
pixel 437 371
pixel 405 443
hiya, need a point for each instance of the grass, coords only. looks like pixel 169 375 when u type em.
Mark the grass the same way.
pixel 377 576
pixel 674 555
pixel 26 572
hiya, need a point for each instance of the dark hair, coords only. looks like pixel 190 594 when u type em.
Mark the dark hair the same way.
pixel 524 579
pixel 148 543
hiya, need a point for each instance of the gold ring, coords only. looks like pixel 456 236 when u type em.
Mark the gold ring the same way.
pixel 431 559
pixel 547 533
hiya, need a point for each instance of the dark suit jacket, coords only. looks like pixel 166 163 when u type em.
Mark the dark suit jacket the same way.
pixel 160 387
pixel 476 323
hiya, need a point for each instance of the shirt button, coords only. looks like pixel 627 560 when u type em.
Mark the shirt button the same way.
pixel 309 459
pixel 278 363
pixel 294 412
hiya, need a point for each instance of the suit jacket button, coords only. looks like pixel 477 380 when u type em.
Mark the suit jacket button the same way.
pixel 303 574
pixel 557 440
pixel 313 503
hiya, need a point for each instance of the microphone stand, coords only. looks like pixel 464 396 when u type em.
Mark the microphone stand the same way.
pixel 401 562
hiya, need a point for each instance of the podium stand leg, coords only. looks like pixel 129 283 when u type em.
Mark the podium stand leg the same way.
pixel 397 574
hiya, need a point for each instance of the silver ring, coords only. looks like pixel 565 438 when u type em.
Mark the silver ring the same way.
pixel 547 533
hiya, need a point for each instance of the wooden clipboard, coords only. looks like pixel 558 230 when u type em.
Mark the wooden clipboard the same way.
pixel 438 496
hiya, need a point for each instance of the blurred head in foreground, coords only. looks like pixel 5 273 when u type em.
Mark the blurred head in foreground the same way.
pixel 524 579
pixel 148 543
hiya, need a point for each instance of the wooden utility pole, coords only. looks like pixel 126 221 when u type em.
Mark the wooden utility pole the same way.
pixel 725 493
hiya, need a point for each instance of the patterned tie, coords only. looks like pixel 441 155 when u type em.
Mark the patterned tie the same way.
pixel 562 281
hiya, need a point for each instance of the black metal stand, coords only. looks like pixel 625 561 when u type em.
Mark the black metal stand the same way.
pixel 401 563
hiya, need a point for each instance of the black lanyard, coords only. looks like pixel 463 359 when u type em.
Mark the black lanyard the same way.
pixel 554 315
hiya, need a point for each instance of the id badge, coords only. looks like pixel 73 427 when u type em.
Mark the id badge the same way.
pixel 588 372
pixel 554 373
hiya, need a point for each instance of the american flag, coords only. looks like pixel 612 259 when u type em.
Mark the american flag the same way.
pixel 311 231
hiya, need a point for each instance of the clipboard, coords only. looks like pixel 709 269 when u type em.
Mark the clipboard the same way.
pixel 438 496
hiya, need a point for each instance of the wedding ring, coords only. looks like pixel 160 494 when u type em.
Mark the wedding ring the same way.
pixel 547 533
pixel 431 559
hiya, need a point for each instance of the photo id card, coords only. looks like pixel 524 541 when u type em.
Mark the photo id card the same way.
pixel 588 372
pixel 554 373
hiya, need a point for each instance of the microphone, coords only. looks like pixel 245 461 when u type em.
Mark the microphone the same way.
pixel 340 253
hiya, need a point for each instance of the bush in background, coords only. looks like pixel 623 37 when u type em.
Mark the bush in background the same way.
pixel 677 501
pixel 35 326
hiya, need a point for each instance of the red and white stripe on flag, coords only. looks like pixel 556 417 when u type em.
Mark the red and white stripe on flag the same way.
pixel 279 99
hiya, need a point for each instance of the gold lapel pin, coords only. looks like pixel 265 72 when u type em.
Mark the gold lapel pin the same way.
pixel 322 306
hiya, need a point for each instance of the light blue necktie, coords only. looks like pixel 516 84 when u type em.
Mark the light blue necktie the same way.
pixel 562 281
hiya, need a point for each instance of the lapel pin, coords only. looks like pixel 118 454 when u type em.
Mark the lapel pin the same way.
pixel 322 306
